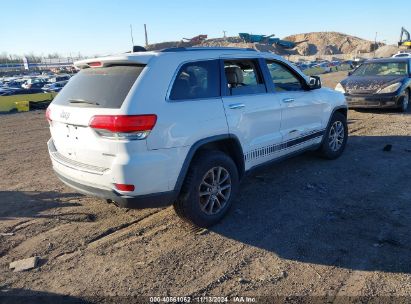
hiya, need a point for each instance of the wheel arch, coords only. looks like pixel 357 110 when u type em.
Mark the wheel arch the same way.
pixel 227 143
pixel 343 109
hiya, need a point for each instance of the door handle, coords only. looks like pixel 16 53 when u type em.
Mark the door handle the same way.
pixel 235 106
pixel 288 100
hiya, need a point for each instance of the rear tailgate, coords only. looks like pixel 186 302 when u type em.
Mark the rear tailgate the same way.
pixel 93 91
pixel 75 140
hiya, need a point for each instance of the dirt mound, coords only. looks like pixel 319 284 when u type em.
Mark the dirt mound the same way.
pixel 330 50
pixel 217 42
pixel 387 51
pixel 225 43
pixel 237 42
pixel 222 42
pixel 308 44
pixel 330 43
pixel 306 49
pixel 168 44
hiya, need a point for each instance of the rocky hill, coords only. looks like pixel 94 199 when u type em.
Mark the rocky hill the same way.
pixel 308 44
pixel 330 43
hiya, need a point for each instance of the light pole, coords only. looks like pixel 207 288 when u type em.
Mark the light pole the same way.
pixel 132 38
pixel 375 43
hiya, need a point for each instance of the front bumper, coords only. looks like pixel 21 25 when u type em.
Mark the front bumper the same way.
pixel 154 200
pixel 374 101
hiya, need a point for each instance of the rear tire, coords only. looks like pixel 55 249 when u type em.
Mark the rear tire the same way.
pixel 208 190
pixel 335 137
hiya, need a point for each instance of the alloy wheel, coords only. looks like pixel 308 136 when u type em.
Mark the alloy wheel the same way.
pixel 215 190
pixel 336 136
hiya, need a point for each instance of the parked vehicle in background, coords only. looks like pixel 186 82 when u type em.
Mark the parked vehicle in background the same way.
pixel 55 86
pixel 350 63
pixel 324 65
pixel 182 126
pixel 5 91
pixel 379 83
pixel 402 55
pixel 335 63
pixel 302 66
pixel 14 83
pixel 18 91
pixel 357 62
pixel 58 78
pixel 34 83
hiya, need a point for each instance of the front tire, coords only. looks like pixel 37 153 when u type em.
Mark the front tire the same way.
pixel 405 101
pixel 335 137
pixel 208 190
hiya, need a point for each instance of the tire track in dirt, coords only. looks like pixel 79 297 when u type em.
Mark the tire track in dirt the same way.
pixel 118 231
pixel 226 276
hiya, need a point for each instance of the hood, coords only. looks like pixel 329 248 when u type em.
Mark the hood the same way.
pixel 369 84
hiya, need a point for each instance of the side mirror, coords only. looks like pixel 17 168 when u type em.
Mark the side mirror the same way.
pixel 349 73
pixel 314 82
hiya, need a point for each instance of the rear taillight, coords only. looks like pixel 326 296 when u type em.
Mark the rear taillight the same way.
pixel 123 126
pixel 124 187
pixel 48 113
pixel 95 64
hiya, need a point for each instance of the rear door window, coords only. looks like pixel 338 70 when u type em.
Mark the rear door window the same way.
pixel 197 80
pixel 243 77
pixel 105 87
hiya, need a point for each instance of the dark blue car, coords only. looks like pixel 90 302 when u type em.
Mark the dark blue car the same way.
pixel 379 83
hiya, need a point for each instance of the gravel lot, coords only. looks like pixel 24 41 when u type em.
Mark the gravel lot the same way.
pixel 303 227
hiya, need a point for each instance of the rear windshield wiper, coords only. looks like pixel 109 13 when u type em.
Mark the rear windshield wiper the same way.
pixel 83 101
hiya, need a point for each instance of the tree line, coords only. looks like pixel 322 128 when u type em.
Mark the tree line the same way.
pixel 31 57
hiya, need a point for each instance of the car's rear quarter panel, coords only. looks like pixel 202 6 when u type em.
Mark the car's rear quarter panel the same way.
pixel 179 123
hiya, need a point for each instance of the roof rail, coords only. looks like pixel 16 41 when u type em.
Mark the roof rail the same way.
pixel 190 49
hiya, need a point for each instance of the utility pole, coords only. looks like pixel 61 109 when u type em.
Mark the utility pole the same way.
pixel 375 43
pixel 145 33
pixel 132 38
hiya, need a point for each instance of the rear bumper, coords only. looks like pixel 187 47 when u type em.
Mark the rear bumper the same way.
pixel 374 101
pixel 99 182
pixel 154 200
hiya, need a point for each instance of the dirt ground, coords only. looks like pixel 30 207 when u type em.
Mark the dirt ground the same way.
pixel 303 227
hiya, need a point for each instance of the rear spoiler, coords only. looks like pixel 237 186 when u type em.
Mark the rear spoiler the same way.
pixel 141 58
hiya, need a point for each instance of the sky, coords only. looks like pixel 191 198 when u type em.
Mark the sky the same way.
pixel 103 26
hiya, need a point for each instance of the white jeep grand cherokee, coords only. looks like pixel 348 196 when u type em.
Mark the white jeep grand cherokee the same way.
pixel 182 126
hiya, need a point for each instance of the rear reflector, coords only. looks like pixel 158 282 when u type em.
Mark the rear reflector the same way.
pixel 48 112
pixel 124 187
pixel 123 123
pixel 95 64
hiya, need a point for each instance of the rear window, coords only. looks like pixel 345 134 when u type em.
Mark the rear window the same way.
pixel 105 87
pixel 197 80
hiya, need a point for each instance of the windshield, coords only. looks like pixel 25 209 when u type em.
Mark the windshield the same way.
pixel 105 87
pixel 382 69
